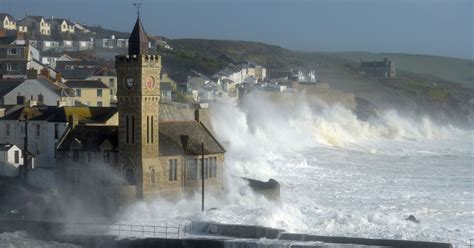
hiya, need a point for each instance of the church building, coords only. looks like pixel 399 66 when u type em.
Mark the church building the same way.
pixel 142 157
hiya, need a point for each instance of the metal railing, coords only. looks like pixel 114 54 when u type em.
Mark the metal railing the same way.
pixel 130 230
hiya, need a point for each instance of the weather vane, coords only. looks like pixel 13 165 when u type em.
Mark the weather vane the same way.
pixel 138 6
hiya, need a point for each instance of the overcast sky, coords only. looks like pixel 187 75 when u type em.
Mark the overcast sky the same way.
pixel 435 27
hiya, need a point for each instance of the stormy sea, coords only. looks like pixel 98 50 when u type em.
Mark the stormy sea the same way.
pixel 339 175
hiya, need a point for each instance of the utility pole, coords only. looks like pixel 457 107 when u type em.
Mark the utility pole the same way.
pixel 24 170
pixel 202 175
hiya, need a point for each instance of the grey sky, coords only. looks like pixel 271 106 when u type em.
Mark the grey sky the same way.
pixel 436 27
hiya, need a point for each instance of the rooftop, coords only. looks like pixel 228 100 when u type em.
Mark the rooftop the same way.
pixel 91 84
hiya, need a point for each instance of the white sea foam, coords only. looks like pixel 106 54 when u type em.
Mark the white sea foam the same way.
pixel 339 175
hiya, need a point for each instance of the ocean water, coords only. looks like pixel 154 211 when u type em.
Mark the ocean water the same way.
pixel 338 175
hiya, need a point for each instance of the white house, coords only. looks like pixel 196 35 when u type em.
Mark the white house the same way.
pixel 10 160
pixel 38 91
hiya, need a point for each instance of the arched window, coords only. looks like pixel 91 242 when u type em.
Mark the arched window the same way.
pixel 130 176
pixel 152 131
pixel 152 177
pixel 127 129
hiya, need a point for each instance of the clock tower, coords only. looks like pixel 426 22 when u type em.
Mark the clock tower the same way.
pixel 138 93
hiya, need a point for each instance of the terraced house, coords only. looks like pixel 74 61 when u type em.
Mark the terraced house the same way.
pixel 90 93
pixel 37 24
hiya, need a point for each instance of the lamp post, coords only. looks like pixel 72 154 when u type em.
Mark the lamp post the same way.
pixel 24 170
pixel 202 175
pixel 184 143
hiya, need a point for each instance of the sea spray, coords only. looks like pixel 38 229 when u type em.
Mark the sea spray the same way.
pixel 339 175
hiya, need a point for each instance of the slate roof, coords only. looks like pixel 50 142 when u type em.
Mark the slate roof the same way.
pixel 7 40
pixel 34 113
pixel 92 84
pixel 3 15
pixel 84 114
pixel 91 137
pixel 170 141
pixel 5 146
pixel 60 21
pixel 55 114
pixel 78 69
pixel 8 85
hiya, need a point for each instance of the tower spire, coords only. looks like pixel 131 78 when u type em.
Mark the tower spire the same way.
pixel 138 41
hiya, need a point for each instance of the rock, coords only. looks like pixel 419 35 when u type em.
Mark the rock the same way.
pixel 412 218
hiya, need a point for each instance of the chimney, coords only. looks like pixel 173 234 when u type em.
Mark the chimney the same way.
pixel 58 77
pixel 31 74
pixel 20 36
pixel 32 103
pixel 60 103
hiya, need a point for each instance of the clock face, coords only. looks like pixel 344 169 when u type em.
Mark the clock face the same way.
pixel 150 82
pixel 129 82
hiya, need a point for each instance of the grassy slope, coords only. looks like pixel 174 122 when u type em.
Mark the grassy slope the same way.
pixel 450 69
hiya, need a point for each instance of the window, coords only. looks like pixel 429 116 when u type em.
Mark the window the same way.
pixel 206 168
pixel 191 172
pixel 99 92
pixel 111 91
pixel 38 130
pixel 76 176
pixel 130 176
pixel 152 176
pixel 78 92
pixel 106 156
pixel 214 167
pixel 127 132
pixel 152 131
pixel 17 157
pixel 75 155
pixel 133 129
pixel 99 103
pixel 173 164
pixel 56 131
pixel 148 129
pixel 89 157
pixel 111 81
pixel 13 67
pixel 7 130
pixel 13 51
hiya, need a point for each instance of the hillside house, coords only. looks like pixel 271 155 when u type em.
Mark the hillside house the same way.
pixel 36 24
pixel 385 68
pixel 7 22
pixel 15 54
pixel 62 25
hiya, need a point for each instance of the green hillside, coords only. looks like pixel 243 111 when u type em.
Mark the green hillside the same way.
pixel 450 69
pixel 278 58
